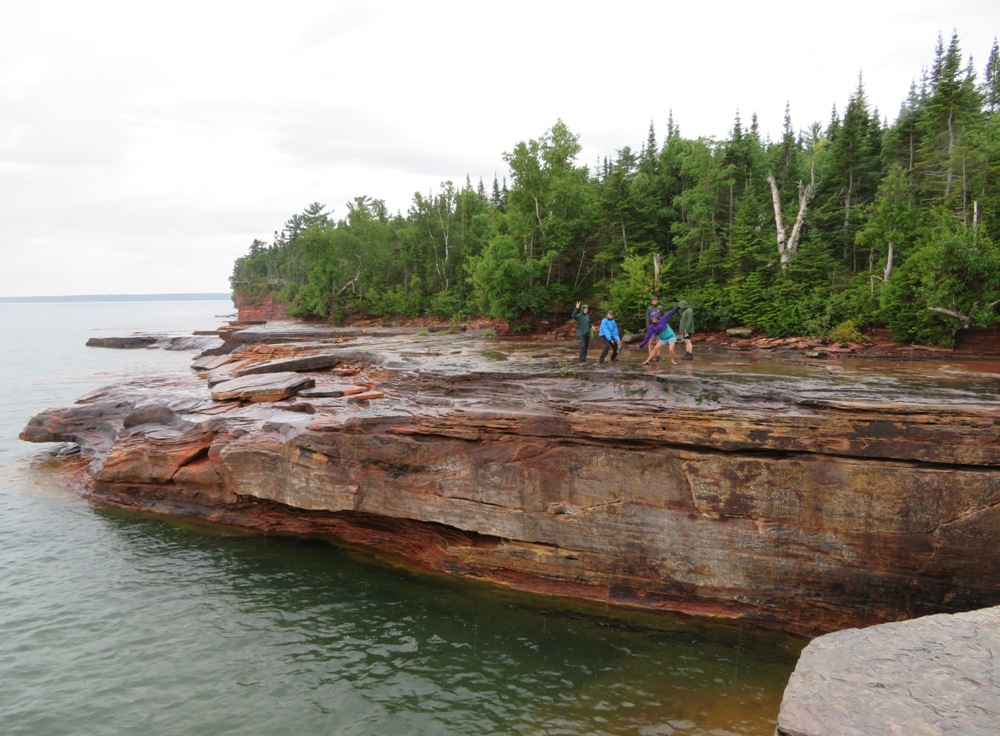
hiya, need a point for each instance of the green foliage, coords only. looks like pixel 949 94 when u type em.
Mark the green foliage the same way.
pixel 505 283
pixel 899 233
pixel 449 305
pixel 630 291
pixel 396 300
pixel 846 331
pixel 955 269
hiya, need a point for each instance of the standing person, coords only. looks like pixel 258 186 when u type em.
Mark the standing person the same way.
pixel 654 306
pixel 612 340
pixel 583 329
pixel 687 329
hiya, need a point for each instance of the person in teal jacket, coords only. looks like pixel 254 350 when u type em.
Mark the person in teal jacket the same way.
pixel 584 329
pixel 612 340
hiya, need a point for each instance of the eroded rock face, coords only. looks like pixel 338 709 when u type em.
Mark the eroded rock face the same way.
pixel 808 499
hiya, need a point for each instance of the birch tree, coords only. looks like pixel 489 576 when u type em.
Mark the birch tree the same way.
pixel 788 243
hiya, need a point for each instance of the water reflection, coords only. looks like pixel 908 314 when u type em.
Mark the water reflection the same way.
pixel 379 648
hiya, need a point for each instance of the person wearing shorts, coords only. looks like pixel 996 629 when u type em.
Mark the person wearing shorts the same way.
pixel 668 338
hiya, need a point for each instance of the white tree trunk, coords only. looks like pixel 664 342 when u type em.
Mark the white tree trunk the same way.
pixel 965 319
pixel 778 222
pixel 788 245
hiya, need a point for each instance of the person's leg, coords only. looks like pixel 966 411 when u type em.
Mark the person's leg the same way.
pixel 671 346
pixel 606 350
pixel 654 351
pixel 584 344
pixel 688 349
pixel 615 349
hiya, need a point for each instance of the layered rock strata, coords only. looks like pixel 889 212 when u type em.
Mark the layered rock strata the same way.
pixel 800 497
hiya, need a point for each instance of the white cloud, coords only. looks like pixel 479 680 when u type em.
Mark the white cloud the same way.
pixel 142 147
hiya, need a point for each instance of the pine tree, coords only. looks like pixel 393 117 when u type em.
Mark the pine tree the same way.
pixel 849 178
pixel 952 110
pixel 991 80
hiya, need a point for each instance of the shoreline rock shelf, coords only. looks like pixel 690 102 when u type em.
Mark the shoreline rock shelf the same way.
pixel 933 675
pixel 802 497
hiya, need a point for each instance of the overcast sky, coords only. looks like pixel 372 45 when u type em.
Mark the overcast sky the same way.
pixel 144 145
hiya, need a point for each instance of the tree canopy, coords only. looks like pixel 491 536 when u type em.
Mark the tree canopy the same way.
pixel 840 227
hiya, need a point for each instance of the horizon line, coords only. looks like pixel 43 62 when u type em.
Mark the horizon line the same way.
pixel 152 296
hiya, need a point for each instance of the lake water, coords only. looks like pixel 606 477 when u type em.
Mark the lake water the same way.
pixel 117 623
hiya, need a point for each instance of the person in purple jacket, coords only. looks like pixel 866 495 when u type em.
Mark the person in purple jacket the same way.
pixel 660 333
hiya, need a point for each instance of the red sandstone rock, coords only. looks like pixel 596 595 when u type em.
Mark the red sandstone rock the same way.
pixel 266 387
pixel 784 503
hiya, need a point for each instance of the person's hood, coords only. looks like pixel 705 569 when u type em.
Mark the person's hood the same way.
pixel 682 305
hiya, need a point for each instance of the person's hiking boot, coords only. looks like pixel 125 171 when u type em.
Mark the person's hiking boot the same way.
pixel 688 356
pixel 657 358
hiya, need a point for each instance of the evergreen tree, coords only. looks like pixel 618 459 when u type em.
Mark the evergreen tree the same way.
pixel 991 80
pixel 950 114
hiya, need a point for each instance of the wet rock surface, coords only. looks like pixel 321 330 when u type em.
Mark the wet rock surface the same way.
pixel 933 675
pixel 163 341
pixel 802 494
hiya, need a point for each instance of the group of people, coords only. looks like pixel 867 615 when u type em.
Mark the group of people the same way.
pixel 658 332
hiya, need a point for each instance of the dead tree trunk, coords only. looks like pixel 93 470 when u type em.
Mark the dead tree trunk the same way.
pixel 787 245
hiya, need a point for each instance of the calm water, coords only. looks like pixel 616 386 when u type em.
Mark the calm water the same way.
pixel 113 623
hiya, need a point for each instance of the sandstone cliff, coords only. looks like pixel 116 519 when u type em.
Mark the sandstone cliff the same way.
pixel 806 496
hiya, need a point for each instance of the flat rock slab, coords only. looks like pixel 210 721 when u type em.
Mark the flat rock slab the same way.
pixel 268 387
pixel 367 396
pixel 932 675
pixel 210 362
pixel 333 391
pixel 225 372
pixel 299 363
pixel 123 343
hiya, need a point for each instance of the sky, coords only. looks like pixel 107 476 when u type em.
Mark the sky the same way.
pixel 145 145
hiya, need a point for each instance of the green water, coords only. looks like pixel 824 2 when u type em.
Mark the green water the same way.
pixel 114 623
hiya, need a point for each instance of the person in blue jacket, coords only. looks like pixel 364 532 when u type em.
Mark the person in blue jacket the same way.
pixel 612 340
pixel 660 333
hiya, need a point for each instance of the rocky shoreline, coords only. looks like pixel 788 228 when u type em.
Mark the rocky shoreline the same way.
pixel 807 494
pixel 801 496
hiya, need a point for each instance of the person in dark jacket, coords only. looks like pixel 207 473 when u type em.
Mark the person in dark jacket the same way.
pixel 584 329
pixel 654 306
pixel 686 329
pixel 612 340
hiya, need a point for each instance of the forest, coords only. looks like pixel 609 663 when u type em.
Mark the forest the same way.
pixel 829 231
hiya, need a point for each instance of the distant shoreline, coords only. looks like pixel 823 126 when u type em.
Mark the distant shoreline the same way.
pixel 201 296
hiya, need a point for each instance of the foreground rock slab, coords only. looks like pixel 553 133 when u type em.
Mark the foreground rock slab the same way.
pixel 927 677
